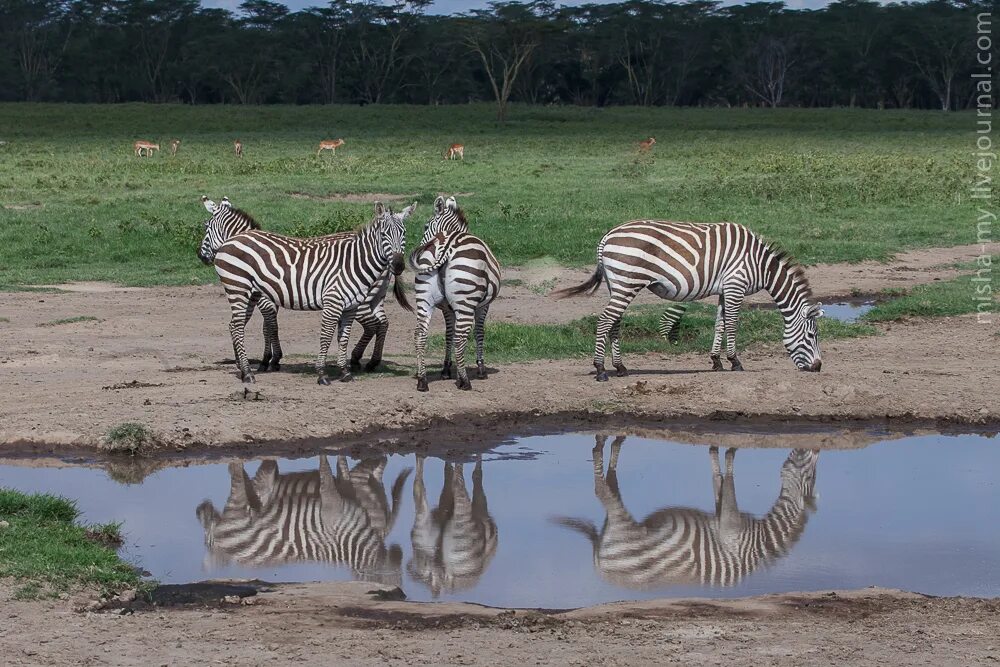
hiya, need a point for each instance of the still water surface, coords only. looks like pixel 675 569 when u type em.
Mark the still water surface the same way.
pixel 570 520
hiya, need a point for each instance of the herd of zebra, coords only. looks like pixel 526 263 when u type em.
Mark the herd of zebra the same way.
pixel 344 517
pixel 347 275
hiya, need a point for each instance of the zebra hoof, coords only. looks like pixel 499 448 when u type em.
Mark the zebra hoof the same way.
pixel 464 384
pixel 263 367
pixel 736 365
pixel 355 364
pixel 717 364
pixel 346 377
pixel 421 384
pixel 622 371
pixel 323 380
pixel 481 372
pixel 274 366
pixel 372 365
pixel 602 376
pixel 446 372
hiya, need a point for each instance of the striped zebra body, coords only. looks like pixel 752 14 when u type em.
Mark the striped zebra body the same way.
pixel 337 276
pixel 457 273
pixel 226 222
pixel 454 543
pixel 682 262
pixel 275 519
pixel 678 545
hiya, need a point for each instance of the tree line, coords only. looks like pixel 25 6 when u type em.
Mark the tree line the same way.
pixel 638 52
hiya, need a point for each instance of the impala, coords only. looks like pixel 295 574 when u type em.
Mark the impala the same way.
pixel 455 150
pixel 147 146
pixel 329 145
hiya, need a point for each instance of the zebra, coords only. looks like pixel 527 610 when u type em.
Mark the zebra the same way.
pixel 680 545
pixel 336 277
pixel 312 516
pixel 227 221
pixel 453 544
pixel 457 273
pixel 682 261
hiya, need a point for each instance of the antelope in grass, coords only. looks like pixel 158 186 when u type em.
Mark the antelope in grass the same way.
pixel 238 145
pixel 147 146
pixel 329 145
pixel 646 144
pixel 455 150
pixel 174 145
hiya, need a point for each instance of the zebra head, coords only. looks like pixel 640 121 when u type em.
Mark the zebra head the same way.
pixel 392 233
pixel 225 223
pixel 801 336
pixel 447 218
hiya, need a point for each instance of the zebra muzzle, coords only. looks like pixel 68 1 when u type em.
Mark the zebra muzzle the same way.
pixel 398 264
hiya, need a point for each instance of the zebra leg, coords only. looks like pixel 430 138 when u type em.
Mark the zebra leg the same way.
pixel 343 339
pixel 480 334
pixel 369 323
pixel 424 312
pixel 730 521
pixel 720 332
pixel 463 325
pixel 332 315
pixel 612 314
pixel 616 349
pixel 269 310
pixel 713 455
pixel 381 329
pixel 734 303
pixel 449 340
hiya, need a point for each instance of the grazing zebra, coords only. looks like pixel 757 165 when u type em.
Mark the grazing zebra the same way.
pixel 453 544
pixel 312 516
pixel 457 273
pixel 226 222
pixel 680 545
pixel 682 261
pixel 337 277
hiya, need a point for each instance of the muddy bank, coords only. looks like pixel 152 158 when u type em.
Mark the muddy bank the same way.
pixel 321 623
pixel 81 361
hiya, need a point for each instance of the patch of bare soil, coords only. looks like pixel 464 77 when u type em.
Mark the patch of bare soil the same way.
pixel 22 207
pixel 343 623
pixel 162 357
pixel 352 198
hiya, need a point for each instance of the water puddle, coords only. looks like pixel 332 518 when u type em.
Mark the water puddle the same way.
pixel 847 311
pixel 570 520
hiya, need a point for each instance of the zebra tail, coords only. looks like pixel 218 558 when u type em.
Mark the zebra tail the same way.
pixel 590 286
pixel 400 294
pixel 582 526
pixel 397 495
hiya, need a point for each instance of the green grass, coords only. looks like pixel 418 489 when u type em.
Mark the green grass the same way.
pixel 507 342
pixel 830 185
pixel 949 297
pixel 69 320
pixel 47 551
pixel 127 438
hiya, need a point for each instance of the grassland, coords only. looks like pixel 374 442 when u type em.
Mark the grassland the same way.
pixel 47 551
pixel 830 185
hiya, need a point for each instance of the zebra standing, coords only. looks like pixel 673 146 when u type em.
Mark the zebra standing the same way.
pixel 312 516
pixel 310 274
pixel 682 261
pixel 457 273
pixel 679 545
pixel 453 544
pixel 226 222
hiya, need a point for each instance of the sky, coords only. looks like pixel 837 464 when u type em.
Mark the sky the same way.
pixel 457 6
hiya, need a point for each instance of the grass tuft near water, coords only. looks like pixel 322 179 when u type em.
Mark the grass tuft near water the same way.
pixel 48 552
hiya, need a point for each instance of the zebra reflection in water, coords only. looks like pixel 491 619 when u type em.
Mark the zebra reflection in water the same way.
pixel 680 545
pixel 311 516
pixel 453 544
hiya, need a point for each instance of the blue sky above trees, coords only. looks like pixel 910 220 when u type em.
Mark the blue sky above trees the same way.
pixel 456 6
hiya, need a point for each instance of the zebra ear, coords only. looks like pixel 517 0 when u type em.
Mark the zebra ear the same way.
pixel 379 209
pixel 815 311
pixel 439 204
pixel 452 204
pixel 208 204
pixel 405 213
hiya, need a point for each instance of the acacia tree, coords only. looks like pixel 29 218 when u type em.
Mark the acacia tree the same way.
pixel 938 43
pixel 504 37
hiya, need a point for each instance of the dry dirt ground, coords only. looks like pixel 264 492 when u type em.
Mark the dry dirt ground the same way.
pixel 161 357
pixel 326 624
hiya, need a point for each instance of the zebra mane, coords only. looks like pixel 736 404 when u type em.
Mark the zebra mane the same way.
pixel 786 261
pixel 247 217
